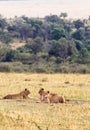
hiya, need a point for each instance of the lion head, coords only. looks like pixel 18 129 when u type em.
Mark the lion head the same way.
pixel 25 93
pixel 43 94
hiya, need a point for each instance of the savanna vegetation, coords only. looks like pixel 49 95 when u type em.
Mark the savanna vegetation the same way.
pixel 29 114
pixel 53 44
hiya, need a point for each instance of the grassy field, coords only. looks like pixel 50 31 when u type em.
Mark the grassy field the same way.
pixel 30 115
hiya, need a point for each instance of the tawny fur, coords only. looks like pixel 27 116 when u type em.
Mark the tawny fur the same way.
pixel 55 98
pixel 22 95
pixel 46 96
pixel 43 94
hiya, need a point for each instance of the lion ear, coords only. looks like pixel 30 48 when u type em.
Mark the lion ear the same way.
pixel 48 92
pixel 42 88
pixel 25 89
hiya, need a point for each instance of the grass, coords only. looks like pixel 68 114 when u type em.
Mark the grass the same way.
pixel 29 115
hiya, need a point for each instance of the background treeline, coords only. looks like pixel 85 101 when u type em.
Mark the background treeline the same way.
pixel 52 44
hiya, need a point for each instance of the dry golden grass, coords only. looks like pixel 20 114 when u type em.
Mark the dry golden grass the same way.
pixel 29 115
pixel 16 44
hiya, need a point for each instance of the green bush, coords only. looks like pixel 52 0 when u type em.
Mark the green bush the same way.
pixel 5 67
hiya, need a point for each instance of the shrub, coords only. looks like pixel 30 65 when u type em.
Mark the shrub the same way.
pixel 5 67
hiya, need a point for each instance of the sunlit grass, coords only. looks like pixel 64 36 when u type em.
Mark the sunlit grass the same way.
pixel 29 115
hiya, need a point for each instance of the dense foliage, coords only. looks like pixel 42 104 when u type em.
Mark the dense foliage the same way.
pixel 52 44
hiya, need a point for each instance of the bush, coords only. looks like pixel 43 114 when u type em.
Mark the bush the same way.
pixel 13 67
pixel 5 67
pixel 72 68
pixel 44 67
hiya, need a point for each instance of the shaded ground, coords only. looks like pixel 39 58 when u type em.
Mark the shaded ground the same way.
pixel 27 102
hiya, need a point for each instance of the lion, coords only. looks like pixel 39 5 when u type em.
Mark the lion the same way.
pixel 43 94
pixel 22 95
pixel 54 98
pixel 47 97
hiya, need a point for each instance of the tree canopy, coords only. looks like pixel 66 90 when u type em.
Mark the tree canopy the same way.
pixel 49 41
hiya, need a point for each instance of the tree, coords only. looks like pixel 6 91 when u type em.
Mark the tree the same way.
pixel 89 18
pixel 79 34
pixel 83 56
pixel 78 24
pixel 5 37
pixel 46 28
pixel 57 33
pixel 63 15
pixel 10 55
pixel 87 34
pixel 3 52
pixel 35 45
pixel 79 45
pixel 52 18
pixel 36 27
pixel 60 49
pixel 3 23
pixel 25 31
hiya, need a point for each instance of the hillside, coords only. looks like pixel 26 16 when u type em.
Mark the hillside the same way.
pixel 51 44
pixel 17 44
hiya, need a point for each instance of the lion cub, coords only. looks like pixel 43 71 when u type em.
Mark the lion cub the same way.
pixel 22 95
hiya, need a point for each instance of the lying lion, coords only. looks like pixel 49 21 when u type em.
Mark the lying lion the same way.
pixel 54 98
pixel 46 96
pixel 22 95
